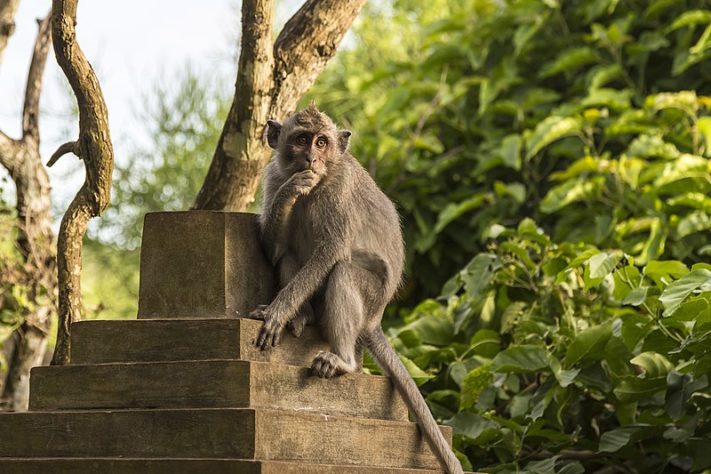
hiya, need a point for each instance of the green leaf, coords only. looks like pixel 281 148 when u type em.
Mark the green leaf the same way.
pixel 614 440
pixel 631 389
pixel 520 359
pixel 510 151
pixel 690 18
pixel 654 364
pixel 550 130
pixel 417 374
pixel 602 264
pixel 485 342
pixel 570 60
pixel 703 125
pixel 474 383
pixel 674 294
pixel 455 210
pixel 470 425
pixel 569 192
pixel 695 222
pixel 478 272
pixel 665 269
pixel 589 343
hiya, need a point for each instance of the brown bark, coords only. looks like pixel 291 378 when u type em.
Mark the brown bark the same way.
pixel 35 240
pixel 8 8
pixel 270 81
pixel 95 149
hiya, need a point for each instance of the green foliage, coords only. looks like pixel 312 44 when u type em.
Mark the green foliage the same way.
pixel 566 361
pixel 589 116
pixel 565 147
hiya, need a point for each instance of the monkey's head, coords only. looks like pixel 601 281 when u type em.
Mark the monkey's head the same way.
pixel 307 140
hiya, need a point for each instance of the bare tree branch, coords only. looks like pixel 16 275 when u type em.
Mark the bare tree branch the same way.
pixel 309 39
pixel 271 80
pixel 238 154
pixel 30 110
pixel 8 152
pixel 96 150
pixel 8 8
pixel 64 148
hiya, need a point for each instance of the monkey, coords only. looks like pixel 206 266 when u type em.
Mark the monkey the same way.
pixel 336 242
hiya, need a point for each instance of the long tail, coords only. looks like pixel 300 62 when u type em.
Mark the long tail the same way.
pixel 388 359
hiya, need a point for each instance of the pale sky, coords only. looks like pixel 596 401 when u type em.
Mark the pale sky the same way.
pixel 132 44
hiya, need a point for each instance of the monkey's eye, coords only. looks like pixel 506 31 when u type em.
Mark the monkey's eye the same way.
pixel 301 140
pixel 321 142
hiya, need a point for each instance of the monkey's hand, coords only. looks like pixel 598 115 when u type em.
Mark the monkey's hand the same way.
pixel 301 183
pixel 272 328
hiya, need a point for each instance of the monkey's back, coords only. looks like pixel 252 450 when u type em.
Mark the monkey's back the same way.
pixel 377 227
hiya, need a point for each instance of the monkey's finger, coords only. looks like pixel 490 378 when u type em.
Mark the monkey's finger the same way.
pixel 330 371
pixel 277 337
pixel 316 367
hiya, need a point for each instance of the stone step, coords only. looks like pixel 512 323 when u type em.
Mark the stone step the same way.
pixel 212 384
pixel 236 433
pixel 185 466
pixel 149 340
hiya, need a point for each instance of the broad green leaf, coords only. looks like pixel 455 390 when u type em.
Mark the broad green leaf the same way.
pixel 614 440
pixel 470 425
pixel 569 192
pixel 510 151
pixel 520 359
pixel 631 389
pixel 682 100
pixel 602 264
pixel 570 60
pixel 477 274
pixel 695 222
pixel 589 343
pixel 417 374
pixel 550 130
pixel 691 18
pixel 612 98
pixel 665 270
pixel 636 296
pixel 703 125
pixel 674 294
pixel 485 342
pixel 654 364
pixel 473 385
pixel 430 329
pixel 455 210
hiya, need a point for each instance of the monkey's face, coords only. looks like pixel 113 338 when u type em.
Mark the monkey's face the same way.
pixel 305 149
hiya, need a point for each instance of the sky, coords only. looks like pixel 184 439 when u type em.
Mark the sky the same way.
pixel 133 45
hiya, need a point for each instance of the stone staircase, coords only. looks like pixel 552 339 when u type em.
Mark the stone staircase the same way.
pixel 182 389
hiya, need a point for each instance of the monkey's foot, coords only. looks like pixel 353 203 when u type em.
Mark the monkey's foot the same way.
pixel 327 365
pixel 258 312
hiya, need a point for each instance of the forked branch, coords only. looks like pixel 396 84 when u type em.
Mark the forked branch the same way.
pixel 95 148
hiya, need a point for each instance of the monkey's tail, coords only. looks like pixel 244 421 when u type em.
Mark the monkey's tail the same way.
pixel 388 359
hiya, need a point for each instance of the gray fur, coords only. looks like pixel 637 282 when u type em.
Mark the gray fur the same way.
pixel 336 240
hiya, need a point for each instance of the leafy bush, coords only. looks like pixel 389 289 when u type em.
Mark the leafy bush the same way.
pixel 564 145
pixel 588 116
pixel 563 358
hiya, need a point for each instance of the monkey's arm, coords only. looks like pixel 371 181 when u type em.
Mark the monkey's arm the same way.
pixel 280 198
pixel 331 249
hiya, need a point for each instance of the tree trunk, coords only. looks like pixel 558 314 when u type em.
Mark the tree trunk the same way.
pixel 271 80
pixel 94 147
pixel 35 239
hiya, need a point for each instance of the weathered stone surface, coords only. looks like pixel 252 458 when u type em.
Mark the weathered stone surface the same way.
pixel 149 340
pixel 185 466
pixel 211 384
pixel 273 435
pixel 202 264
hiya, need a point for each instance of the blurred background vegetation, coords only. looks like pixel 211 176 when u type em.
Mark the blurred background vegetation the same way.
pixel 550 161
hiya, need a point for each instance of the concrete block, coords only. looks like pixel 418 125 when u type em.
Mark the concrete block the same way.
pixel 202 264
pixel 151 340
pixel 212 384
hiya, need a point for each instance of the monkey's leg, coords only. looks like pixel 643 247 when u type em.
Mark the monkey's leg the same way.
pixel 347 302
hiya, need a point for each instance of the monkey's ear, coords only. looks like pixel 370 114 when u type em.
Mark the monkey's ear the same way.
pixel 273 131
pixel 343 137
